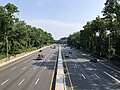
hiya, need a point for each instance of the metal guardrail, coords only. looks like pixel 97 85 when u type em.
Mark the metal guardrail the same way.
pixel 60 80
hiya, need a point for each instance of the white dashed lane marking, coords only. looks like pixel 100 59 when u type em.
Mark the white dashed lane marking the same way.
pixel 21 82
pixel 37 81
pixel 83 76
pixel 5 82
pixel 85 65
pixel 97 76
pixel 24 68
pixel 75 65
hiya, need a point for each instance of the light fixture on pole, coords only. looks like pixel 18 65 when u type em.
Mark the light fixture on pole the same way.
pixel 108 32
pixel 97 34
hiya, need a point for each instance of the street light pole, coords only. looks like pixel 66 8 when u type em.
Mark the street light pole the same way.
pixel 97 34
pixel 7 46
pixel 109 47
pixel 108 32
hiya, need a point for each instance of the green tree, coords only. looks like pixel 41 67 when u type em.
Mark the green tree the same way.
pixel 17 35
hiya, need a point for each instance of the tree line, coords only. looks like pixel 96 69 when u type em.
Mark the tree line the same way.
pixel 16 36
pixel 101 36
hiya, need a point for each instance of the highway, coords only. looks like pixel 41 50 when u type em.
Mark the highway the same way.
pixel 85 75
pixel 28 73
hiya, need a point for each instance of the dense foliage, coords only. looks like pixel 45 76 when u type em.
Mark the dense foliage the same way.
pixel 95 37
pixel 16 36
pixel 62 40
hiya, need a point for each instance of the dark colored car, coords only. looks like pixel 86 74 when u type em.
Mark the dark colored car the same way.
pixel 66 55
pixel 40 57
pixel 93 60
pixel 40 51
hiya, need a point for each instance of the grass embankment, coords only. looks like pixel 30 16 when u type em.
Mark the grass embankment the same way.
pixel 2 56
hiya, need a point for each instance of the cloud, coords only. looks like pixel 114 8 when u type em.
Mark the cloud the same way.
pixel 57 28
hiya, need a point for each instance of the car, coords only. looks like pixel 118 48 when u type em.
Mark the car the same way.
pixel 66 55
pixel 93 60
pixel 70 52
pixel 40 57
pixel 40 51
pixel 54 47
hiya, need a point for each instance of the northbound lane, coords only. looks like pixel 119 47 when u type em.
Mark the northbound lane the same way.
pixel 28 73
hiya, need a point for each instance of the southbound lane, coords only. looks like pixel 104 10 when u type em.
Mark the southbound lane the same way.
pixel 28 73
pixel 86 75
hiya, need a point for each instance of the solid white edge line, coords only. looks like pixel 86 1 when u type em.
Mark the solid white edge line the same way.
pixel 97 76
pixel 112 77
pixel 5 82
pixel 110 67
pixel 83 76
pixel 37 81
pixel 21 82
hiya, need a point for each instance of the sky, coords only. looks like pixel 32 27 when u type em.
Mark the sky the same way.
pixel 58 17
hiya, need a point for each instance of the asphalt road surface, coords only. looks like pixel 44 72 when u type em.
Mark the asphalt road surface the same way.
pixel 28 73
pixel 85 75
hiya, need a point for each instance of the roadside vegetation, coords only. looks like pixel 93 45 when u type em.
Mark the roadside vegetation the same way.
pixel 16 36
pixel 101 36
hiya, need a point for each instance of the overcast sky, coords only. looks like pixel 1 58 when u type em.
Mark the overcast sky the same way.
pixel 58 17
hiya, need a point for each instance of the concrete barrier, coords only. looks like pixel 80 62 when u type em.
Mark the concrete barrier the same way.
pixel 60 80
